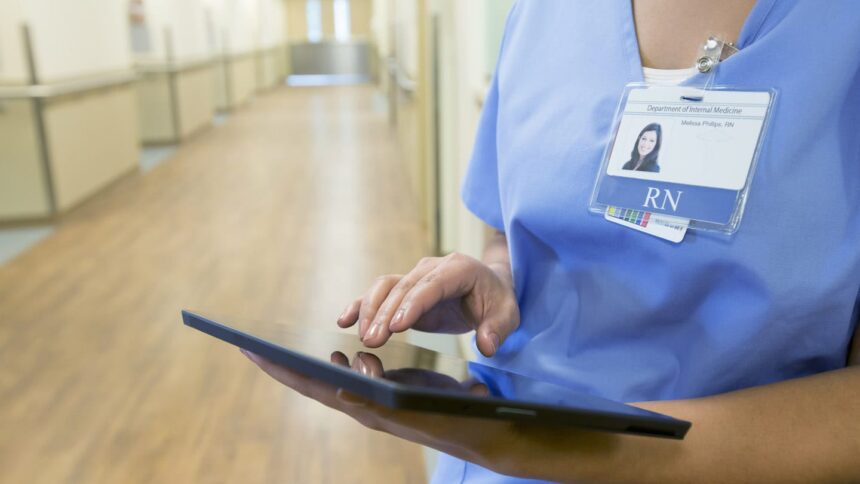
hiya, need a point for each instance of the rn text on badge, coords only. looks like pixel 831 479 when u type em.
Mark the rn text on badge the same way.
pixel 653 199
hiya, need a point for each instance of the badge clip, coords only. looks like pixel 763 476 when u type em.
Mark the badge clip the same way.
pixel 713 51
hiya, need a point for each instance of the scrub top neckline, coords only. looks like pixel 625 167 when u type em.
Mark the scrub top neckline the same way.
pixel 749 31
pixel 667 77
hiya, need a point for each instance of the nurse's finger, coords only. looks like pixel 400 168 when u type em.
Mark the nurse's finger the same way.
pixel 372 363
pixel 448 280
pixel 350 314
pixel 371 301
pixel 495 328
pixel 479 390
pixel 379 331
pixel 321 392
pixel 339 359
pixel 356 407
pixel 351 399
pixel 359 366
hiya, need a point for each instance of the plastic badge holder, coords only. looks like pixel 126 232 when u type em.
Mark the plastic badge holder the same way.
pixel 707 207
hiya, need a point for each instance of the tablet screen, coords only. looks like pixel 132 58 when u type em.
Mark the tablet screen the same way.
pixel 404 365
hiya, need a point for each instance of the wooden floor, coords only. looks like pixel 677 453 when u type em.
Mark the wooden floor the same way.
pixel 284 213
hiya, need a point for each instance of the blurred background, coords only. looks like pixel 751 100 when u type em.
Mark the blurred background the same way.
pixel 258 159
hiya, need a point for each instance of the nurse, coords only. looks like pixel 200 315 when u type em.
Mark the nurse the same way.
pixel 749 336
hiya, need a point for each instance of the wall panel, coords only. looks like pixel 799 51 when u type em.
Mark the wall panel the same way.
pixel 92 139
pixel 194 88
pixel 243 79
pixel 23 191
pixel 155 115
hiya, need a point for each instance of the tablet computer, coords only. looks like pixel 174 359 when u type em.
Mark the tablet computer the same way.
pixel 413 378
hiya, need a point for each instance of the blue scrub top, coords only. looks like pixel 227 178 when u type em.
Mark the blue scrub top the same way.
pixel 634 318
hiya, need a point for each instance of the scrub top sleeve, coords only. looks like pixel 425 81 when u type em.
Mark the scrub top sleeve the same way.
pixel 480 191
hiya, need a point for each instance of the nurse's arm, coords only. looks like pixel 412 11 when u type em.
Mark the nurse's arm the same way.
pixel 803 430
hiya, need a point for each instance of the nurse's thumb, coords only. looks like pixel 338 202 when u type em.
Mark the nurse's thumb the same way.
pixel 492 333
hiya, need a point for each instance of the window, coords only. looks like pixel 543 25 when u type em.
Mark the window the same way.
pixel 341 20
pixel 313 10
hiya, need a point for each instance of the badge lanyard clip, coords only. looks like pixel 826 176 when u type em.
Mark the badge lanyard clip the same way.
pixel 712 52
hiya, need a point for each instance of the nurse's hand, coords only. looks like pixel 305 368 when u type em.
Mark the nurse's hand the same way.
pixel 451 294
pixel 499 445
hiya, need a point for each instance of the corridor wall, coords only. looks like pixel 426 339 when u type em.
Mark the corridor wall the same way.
pixel 175 60
pixel 65 79
pixel 251 44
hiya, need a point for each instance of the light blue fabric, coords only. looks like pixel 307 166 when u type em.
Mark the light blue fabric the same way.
pixel 635 318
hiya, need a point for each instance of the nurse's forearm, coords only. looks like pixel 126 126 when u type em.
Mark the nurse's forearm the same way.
pixel 496 256
pixel 803 430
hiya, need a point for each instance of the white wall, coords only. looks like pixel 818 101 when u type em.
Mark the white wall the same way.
pixel 248 25
pixel 79 38
pixel 75 39
pixel 471 32
pixel 272 18
pixel 380 26
pixel 186 21
pixel 12 64
pixel 406 35
pixel 497 14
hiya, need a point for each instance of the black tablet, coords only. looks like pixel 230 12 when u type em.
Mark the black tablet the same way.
pixel 418 379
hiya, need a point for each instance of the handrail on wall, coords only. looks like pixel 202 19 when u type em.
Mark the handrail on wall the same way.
pixel 405 82
pixel 167 67
pixel 44 91
pixel 403 79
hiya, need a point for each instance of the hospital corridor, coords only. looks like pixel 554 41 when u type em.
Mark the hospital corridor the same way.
pixel 261 160
pixel 429 241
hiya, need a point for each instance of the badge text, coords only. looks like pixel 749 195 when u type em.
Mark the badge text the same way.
pixel 655 198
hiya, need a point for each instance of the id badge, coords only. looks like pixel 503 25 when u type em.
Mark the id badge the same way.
pixel 683 153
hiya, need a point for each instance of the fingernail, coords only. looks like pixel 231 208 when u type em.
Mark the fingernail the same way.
pixel 343 314
pixel 374 330
pixel 494 339
pixel 362 367
pixel 363 324
pixel 398 318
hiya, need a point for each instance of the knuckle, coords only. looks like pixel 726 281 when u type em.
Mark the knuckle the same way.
pixel 381 283
pixel 409 300
pixel 380 280
pixel 410 280
pixel 401 285
pixel 382 313
pixel 429 278
pixel 427 261
pixel 458 258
